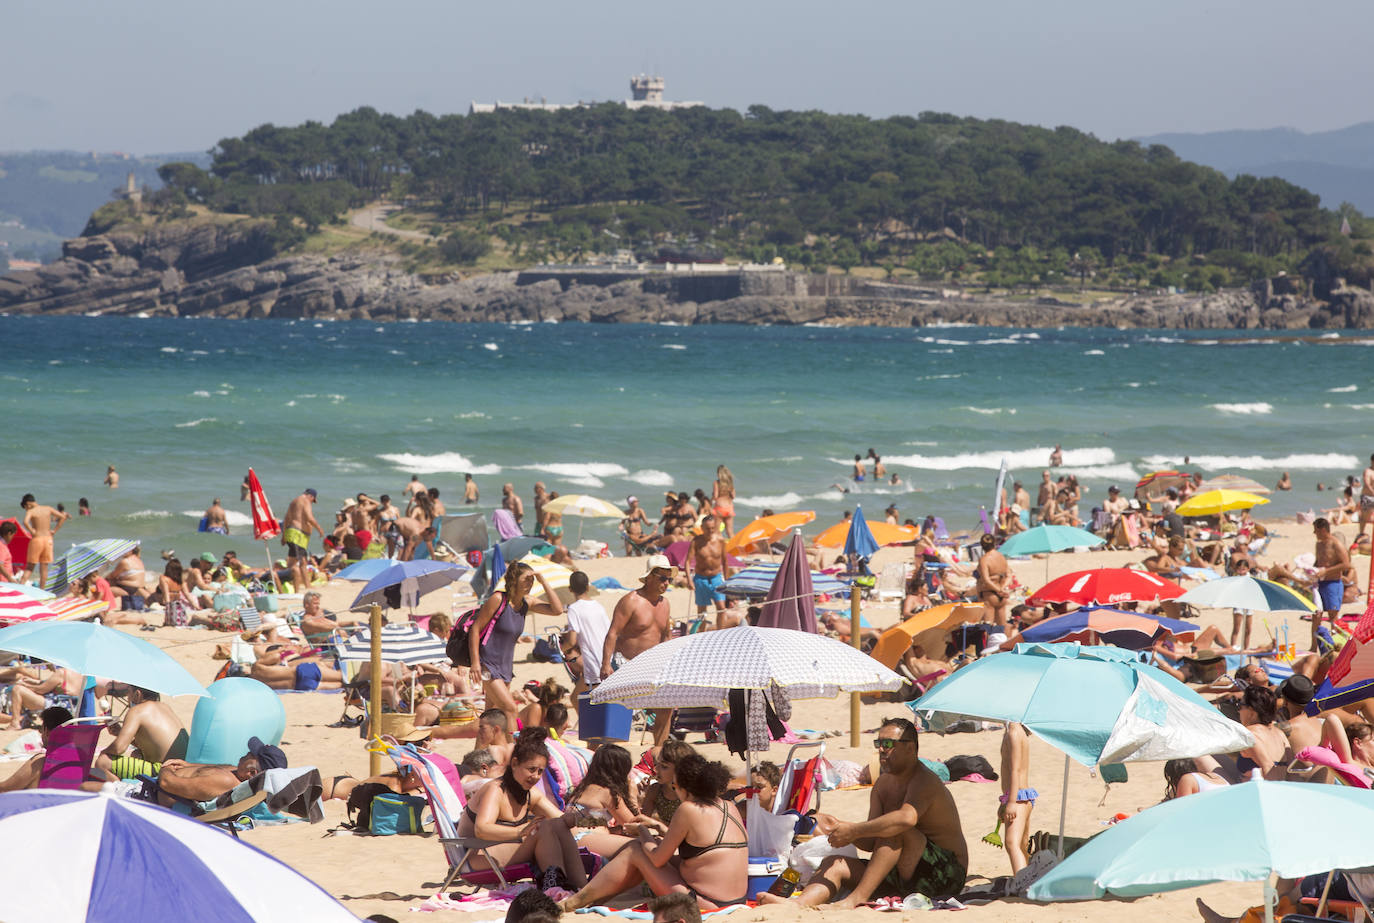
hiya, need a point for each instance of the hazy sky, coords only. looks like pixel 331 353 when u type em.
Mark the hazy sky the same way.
pixel 156 75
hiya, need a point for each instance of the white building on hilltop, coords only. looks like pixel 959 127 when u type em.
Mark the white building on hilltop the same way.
pixel 646 93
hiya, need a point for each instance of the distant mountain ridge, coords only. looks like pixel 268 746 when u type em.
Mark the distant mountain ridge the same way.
pixel 1337 165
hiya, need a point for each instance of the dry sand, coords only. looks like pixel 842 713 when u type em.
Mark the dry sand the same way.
pixel 392 874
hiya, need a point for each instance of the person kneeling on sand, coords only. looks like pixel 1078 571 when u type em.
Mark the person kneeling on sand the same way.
pixel 913 831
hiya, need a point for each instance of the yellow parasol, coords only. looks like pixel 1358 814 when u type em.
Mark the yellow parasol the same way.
pixel 1216 502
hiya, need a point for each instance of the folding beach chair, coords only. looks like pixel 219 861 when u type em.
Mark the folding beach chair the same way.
pixel 891 582
pixel 800 780
pixel 70 753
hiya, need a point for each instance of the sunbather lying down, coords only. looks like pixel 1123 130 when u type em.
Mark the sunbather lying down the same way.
pixel 304 675
pixel 203 781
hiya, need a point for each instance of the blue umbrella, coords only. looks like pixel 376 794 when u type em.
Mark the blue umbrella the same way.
pixel 1046 539
pixel 1237 833
pixel 860 540
pixel 93 649
pixel 134 860
pixel 86 558
pixel 364 570
pixel 397 581
pixel 1133 630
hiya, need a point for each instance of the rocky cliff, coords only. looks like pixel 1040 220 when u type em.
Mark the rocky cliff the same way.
pixel 223 270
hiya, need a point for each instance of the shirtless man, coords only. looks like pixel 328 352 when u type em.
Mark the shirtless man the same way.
pixel 1332 566
pixel 1021 496
pixel 410 530
pixel 1114 505
pixel 541 497
pixel 494 736
pixel 316 622
pixel 511 503
pixel 296 528
pixel 302 675
pixel 362 512
pixel 111 478
pixel 42 523
pixel 641 620
pixel 1366 496
pixel 993 577
pixel 414 487
pixel 1168 563
pixel 151 727
pixel 1057 457
pixel 438 505
pixel 470 494
pixel 1285 482
pixel 202 781
pixel 913 831
pixel 709 567
pixel 215 520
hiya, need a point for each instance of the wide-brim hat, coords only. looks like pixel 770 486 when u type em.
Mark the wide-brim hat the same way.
pixel 402 727
pixel 654 562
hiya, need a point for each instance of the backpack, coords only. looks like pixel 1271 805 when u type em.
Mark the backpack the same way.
pixel 360 800
pixel 457 648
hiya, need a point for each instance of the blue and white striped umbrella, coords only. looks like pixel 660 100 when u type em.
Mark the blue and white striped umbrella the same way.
pixel 757 579
pixel 402 643
pixel 130 860
pixel 84 559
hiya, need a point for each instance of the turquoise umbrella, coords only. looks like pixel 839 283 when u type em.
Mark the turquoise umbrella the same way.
pixel 1241 832
pixel 1045 539
pixel 93 649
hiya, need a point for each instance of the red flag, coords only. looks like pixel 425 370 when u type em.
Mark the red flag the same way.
pixel 265 525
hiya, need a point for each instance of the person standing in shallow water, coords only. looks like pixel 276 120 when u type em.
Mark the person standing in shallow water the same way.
pixel 111 478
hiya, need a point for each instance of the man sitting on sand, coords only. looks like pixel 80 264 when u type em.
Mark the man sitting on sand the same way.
pixel 912 830
pixel 203 781
pixel 152 729
pixel 303 675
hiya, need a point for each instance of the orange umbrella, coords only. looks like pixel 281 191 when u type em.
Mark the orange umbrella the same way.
pixel 767 530
pixel 883 533
pixel 897 639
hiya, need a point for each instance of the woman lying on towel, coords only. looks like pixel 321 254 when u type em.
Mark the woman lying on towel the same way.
pixel 513 810
pixel 704 851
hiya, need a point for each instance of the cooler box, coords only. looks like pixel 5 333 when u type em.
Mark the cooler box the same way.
pixel 602 722
pixel 763 871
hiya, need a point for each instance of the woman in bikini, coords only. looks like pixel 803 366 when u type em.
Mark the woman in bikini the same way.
pixel 723 499
pixel 492 652
pixel 512 810
pixel 1184 777
pixel 1258 708
pixel 604 803
pixel 705 850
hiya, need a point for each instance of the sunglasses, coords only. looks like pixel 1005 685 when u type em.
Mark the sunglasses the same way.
pixel 661 575
pixel 887 743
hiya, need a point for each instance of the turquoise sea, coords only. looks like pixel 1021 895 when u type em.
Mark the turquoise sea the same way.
pixel 183 407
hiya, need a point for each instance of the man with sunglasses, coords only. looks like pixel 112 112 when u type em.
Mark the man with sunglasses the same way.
pixel 913 832
pixel 641 620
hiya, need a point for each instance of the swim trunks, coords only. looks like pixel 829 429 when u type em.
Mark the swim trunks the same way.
pixel 40 550
pixel 218 530
pixel 938 875
pixel 708 589
pixel 131 767
pixel 59 700
pixel 1332 593
pixel 307 677
pixel 296 542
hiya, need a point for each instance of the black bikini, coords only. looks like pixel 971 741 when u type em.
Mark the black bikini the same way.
pixel 688 851
pixel 472 816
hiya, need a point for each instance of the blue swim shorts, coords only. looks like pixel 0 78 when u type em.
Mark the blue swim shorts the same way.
pixel 307 677
pixel 1332 593
pixel 708 589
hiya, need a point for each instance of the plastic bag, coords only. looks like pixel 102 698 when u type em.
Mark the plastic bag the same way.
pixel 807 857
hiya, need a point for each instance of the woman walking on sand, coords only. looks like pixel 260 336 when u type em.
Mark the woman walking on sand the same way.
pixel 492 654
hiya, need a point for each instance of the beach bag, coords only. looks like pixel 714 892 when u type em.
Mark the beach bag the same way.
pixel 360 802
pixel 392 814
pixel 178 614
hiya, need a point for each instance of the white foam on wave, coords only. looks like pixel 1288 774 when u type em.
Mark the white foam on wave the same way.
pixel 937 377
pixel 1358 406
pixel 580 472
pixel 585 481
pixel 169 349
pixel 937 351
pixel 674 346
pixel 920 442
pixel 200 393
pixel 233 517
pixel 651 477
pixel 1037 457
pixel 149 514
pixel 1121 472
pixel 471 415
pixel 1331 461
pixel 1257 407
pixel 992 410
pixel 439 463
pixel 778 502
pixel 491 346
pixel 1093 352
pixel 190 423
pixel 1345 389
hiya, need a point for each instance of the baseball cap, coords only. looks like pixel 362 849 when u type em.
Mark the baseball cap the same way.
pixel 655 562
pixel 314 494
pixel 268 756
pixel 208 558
pixel 1113 489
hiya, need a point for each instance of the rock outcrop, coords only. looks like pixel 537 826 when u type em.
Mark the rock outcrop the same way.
pixel 224 269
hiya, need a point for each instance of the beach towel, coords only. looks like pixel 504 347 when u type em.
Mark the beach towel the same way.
pixel 505 524
pixel 293 794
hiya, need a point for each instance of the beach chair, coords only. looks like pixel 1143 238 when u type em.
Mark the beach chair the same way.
pixel 891 582
pixel 800 780
pixel 70 753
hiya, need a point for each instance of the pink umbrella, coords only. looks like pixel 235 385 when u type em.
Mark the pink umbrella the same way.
pixel 791 600
pixel 19 607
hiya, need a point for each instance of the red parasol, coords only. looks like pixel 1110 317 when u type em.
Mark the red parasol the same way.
pixel 1106 586
pixel 265 525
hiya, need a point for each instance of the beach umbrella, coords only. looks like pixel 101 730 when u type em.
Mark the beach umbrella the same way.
pixel 1351 676
pixel 1216 502
pixel 1100 625
pixel 1242 832
pixel 465 533
pixel 699 669
pixel 1096 704
pixel 135 860
pixel 928 626
pixel 86 558
pixel 364 570
pixel 557 577
pixel 26 589
pixel 766 530
pixel 407 581
pixel 1233 482
pixel 75 607
pixel 583 506
pixel 16 606
pixel 19 541
pixel 757 579
pixel 402 643
pixel 791 600
pixel 1246 592
pixel 265 524
pixel 859 540
pixel 1157 483
pixel 884 533
pixel 93 649
pixel 1106 585
pixel 1047 539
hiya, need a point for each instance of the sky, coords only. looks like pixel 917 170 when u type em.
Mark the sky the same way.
pixel 153 76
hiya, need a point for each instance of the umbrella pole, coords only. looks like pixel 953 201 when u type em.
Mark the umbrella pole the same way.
pixel 272 569
pixel 1064 808
pixel 374 716
pixel 1271 897
pixel 1326 889
pixel 854 630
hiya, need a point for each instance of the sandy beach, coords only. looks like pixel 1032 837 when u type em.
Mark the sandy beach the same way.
pixel 391 875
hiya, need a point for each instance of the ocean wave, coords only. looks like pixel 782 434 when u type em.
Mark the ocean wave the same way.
pixel 778 502
pixel 233 517
pixel 1093 352
pixel 939 351
pixel 1344 389
pixel 190 423
pixel 1016 459
pixel 150 514
pixel 1331 461
pixel 1360 406
pixel 169 349
pixel 674 346
pixel 491 346
pixel 991 410
pixel 200 393
pixel 651 477
pixel 471 415
pixel 937 377
pixel 440 463
pixel 1260 407
pixel 580 472
pixel 1121 472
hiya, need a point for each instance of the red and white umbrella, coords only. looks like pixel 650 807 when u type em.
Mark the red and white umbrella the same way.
pixel 265 525
pixel 21 607
pixel 1106 586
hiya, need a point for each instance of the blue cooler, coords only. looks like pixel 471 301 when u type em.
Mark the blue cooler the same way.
pixel 602 722
pixel 763 871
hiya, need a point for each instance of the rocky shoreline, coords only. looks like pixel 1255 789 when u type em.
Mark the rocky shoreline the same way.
pixel 219 270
